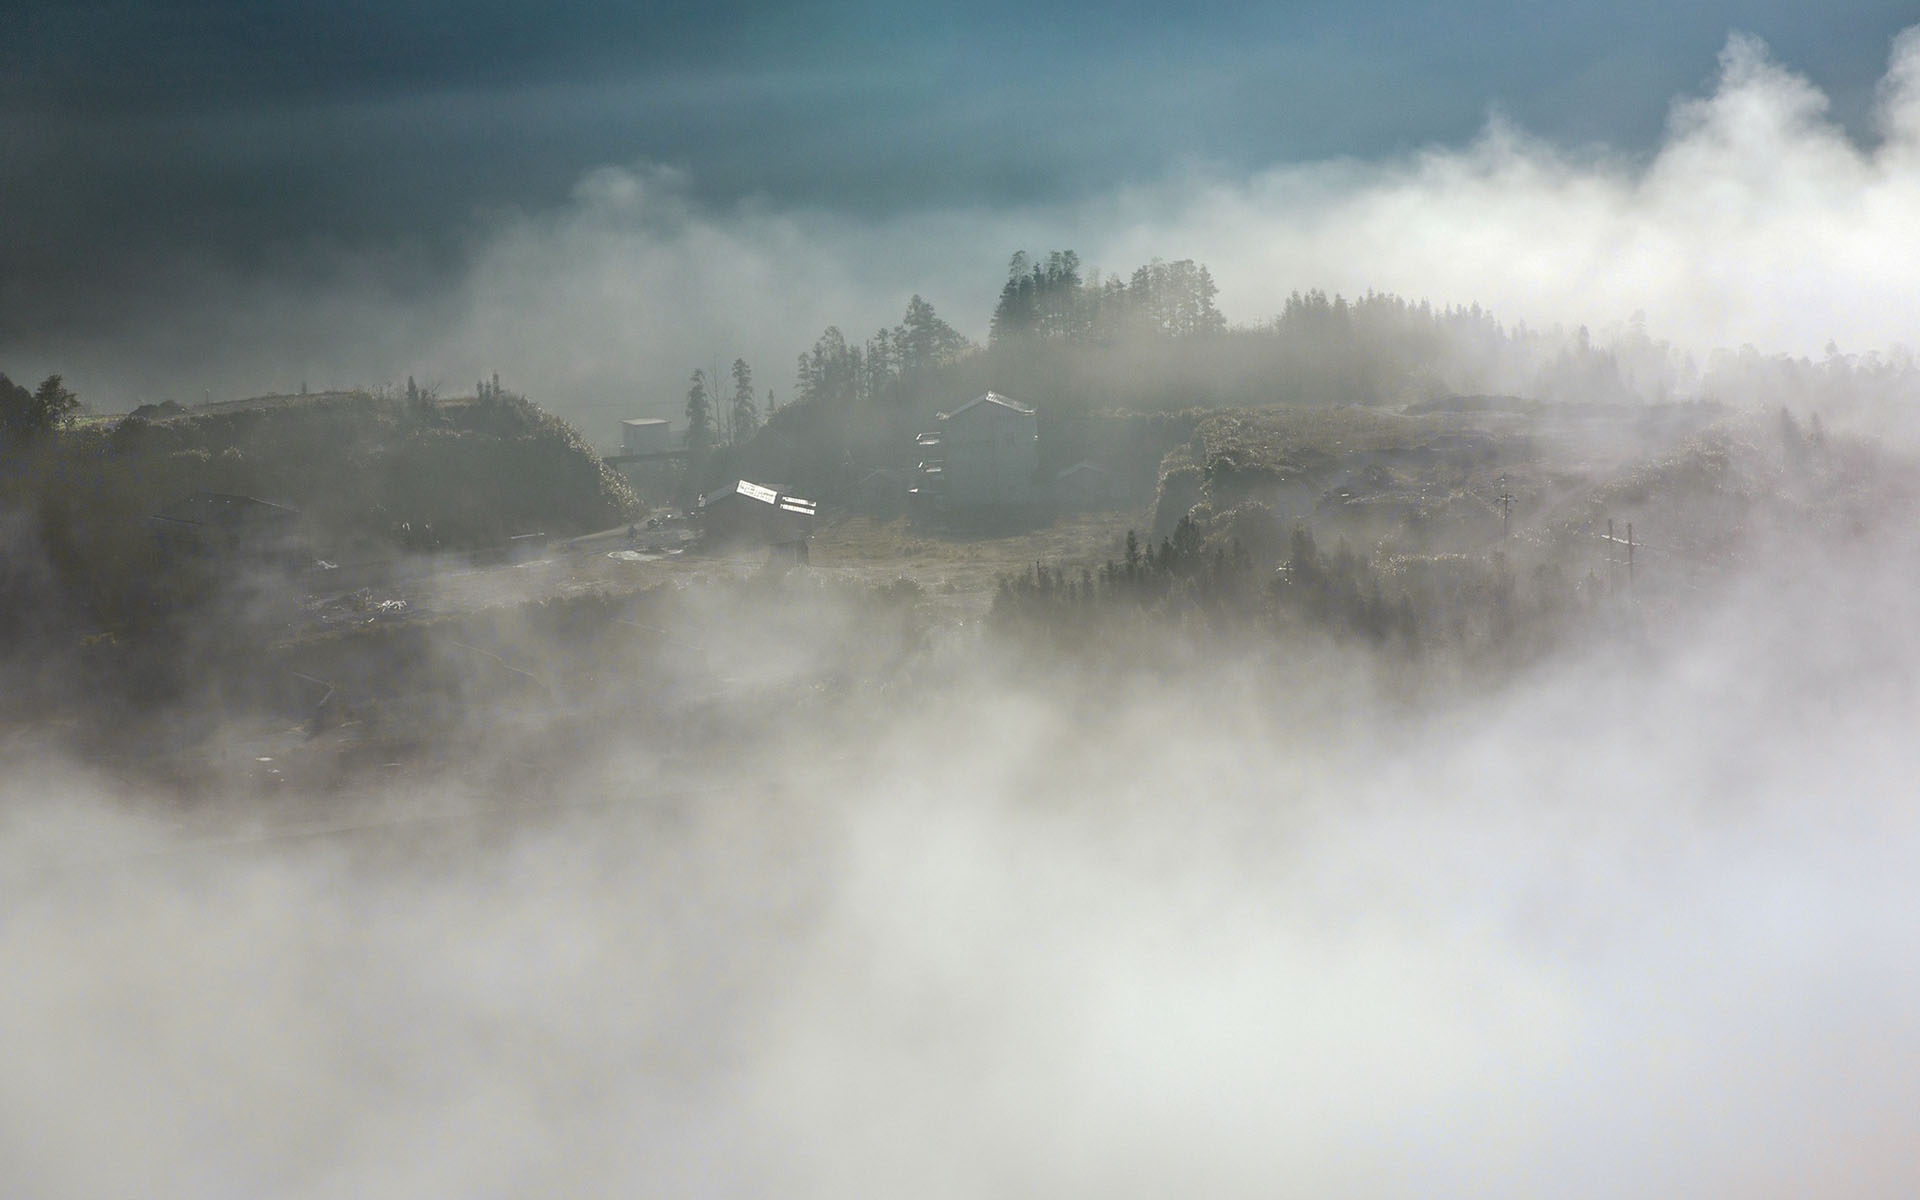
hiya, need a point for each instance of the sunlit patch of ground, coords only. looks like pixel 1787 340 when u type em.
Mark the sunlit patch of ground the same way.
pixel 959 570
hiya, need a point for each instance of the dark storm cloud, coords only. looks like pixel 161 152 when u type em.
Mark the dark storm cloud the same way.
pixel 843 103
pixel 107 56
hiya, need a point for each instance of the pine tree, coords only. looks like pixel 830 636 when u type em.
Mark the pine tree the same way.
pixel 830 374
pixel 925 340
pixel 1044 300
pixel 699 417
pixel 745 417
pixel 1013 315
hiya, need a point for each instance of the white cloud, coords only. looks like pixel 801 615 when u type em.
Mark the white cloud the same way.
pixel 1756 221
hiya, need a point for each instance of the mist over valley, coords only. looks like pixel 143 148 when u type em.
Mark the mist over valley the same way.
pixel 1380 671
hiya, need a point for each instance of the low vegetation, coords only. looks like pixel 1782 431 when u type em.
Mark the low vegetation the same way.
pixel 370 476
pixel 1498 540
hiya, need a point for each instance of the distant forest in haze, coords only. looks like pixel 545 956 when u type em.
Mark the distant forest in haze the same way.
pixel 1398 434
pixel 1075 343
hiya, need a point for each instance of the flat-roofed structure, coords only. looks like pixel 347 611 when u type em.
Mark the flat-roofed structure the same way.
pixel 646 435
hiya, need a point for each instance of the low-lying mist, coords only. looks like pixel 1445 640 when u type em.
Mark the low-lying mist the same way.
pixel 1628 918
pixel 814 882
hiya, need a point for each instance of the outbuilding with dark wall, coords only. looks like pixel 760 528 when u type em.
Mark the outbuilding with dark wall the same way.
pixel 745 513
pixel 221 525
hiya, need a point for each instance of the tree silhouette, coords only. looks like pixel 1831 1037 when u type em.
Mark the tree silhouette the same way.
pixel 699 417
pixel 745 415
pixel 26 417
pixel 925 340
pixel 1040 300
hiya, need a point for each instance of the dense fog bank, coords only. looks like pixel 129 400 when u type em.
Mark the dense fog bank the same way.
pixel 1629 921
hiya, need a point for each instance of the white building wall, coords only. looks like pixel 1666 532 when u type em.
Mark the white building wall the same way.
pixel 645 437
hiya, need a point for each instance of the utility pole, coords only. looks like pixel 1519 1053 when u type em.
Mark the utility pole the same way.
pixel 1506 506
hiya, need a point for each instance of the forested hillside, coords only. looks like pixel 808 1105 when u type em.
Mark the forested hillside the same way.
pixel 1084 347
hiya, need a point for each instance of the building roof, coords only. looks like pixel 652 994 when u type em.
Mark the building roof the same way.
pixel 1083 467
pixel 760 493
pixel 217 521
pixel 994 398
pixel 224 510
pixel 644 422
pixel 741 487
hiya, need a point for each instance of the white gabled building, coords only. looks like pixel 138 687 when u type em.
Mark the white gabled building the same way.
pixel 983 454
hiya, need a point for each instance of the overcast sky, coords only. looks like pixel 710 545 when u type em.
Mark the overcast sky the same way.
pixel 164 166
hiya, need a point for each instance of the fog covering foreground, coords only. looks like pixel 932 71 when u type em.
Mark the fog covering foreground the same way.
pixel 1634 919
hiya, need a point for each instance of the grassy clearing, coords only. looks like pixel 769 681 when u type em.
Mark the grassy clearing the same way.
pixel 962 570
